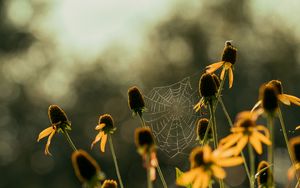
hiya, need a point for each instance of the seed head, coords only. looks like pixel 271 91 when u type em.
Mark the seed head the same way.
pixel 86 168
pixel 295 147
pixel 109 123
pixel 201 129
pixel 56 114
pixel 277 84
pixel 264 174
pixel 268 95
pixel 109 184
pixel 144 140
pixel 229 53
pixel 207 85
pixel 197 157
pixel 136 100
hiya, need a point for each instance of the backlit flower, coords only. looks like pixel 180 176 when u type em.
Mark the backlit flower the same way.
pixel 246 131
pixel 264 175
pixel 59 123
pixel 201 129
pixel 136 100
pixel 295 148
pixel 86 168
pixel 206 163
pixel 105 126
pixel 227 61
pixel 146 148
pixel 109 184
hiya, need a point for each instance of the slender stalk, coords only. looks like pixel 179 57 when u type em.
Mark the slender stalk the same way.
pixel 298 184
pixel 66 134
pixel 149 182
pixel 252 165
pixel 115 160
pixel 214 127
pixel 286 138
pixel 231 125
pixel 271 147
pixel 161 176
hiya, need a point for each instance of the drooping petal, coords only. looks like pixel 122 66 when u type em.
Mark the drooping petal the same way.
pixel 222 73
pixel 206 153
pixel 230 77
pixel 298 127
pixel 256 105
pixel 213 67
pixel 100 126
pixel 103 142
pixel 228 162
pixel 188 177
pixel 237 129
pixel 231 140
pixel 284 99
pixel 47 152
pixel 241 144
pixel 264 129
pixel 199 105
pixel 262 138
pixel 256 143
pixel 198 180
pixel 218 172
pixel 152 174
pixel 293 99
pixel 45 133
pixel 97 138
pixel 205 180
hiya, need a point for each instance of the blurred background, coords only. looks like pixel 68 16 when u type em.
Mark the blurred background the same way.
pixel 84 55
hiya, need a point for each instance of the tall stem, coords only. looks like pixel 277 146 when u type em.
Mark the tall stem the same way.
pixel 115 160
pixel 66 134
pixel 149 182
pixel 271 147
pixel 214 127
pixel 231 125
pixel 252 165
pixel 286 138
pixel 161 176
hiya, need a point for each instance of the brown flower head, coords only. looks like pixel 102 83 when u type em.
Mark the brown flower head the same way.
pixel 108 122
pixel 268 95
pixel 207 85
pixel 277 84
pixel 295 147
pixel 229 53
pixel 136 100
pixel 109 184
pixel 86 168
pixel 202 125
pixel 57 115
pixel 144 140
pixel 264 175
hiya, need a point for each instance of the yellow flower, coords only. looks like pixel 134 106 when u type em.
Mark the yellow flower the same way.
pixel 246 131
pixel 146 148
pixel 59 123
pixel 208 88
pixel 295 147
pixel 105 126
pixel 282 97
pixel 109 184
pixel 206 163
pixel 86 168
pixel 227 61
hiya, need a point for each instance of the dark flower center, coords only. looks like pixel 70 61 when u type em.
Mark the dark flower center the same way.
pixel 56 114
pixel 297 151
pixel 277 84
pixel 144 138
pixel 207 85
pixel 108 121
pixel 229 54
pixel 202 127
pixel 198 159
pixel 269 98
pixel 135 100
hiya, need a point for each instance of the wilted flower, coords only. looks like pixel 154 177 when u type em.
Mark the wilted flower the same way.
pixel 136 100
pixel 264 175
pixel 105 126
pixel 109 184
pixel 246 131
pixel 59 123
pixel 201 129
pixel 146 148
pixel 206 163
pixel 208 88
pixel 86 168
pixel 227 61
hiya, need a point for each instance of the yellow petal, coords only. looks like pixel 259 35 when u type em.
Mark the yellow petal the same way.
pixel 100 126
pixel 205 180
pixel 152 173
pixel 213 67
pixel 298 127
pixel 206 153
pixel 222 73
pixel 285 100
pixel 256 105
pixel 188 177
pixel 256 143
pixel 293 99
pixel 198 180
pixel 264 129
pixel 47 152
pixel 228 162
pixel 218 172
pixel 231 140
pixel 103 142
pixel 97 138
pixel 230 77
pixel 45 133
pixel 263 138
pixel 241 144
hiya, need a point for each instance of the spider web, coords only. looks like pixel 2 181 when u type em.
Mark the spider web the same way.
pixel 171 116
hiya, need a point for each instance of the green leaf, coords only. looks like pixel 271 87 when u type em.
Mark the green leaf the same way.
pixel 178 174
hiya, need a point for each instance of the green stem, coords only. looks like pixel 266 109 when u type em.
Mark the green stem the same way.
pixel 286 138
pixel 161 176
pixel 149 182
pixel 115 160
pixel 231 125
pixel 214 127
pixel 66 134
pixel 252 165
pixel 271 147
pixel 298 184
